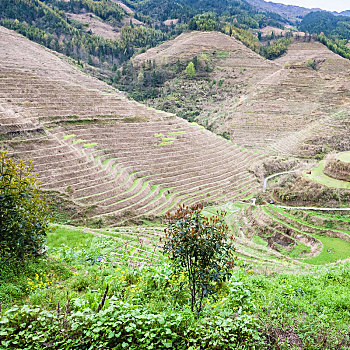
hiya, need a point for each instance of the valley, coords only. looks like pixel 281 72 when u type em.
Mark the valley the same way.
pixel 175 111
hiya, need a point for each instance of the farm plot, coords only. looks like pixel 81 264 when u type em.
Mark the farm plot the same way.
pixel 299 237
pixel 111 156
pixel 135 245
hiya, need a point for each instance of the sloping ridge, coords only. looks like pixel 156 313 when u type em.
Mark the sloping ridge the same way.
pixel 113 156
pixel 189 44
pixel 275 107
pixel 287 104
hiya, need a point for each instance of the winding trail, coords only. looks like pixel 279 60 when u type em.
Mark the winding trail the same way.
pixel 274 175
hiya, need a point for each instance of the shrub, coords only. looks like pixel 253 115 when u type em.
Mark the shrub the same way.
pixel 24 215
pixel 201 254
pixel 190 70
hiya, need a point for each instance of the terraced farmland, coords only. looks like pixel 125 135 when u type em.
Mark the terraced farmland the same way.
pixel 282 107
pixel 116 159
pixel 289 238
pixel 109 155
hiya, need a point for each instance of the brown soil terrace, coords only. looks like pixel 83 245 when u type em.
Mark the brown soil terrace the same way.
pixel 104 151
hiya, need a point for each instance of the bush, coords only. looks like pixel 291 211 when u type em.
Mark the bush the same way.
pixel 24 214
pixel 190 70
pixel 201 254
pixel 123 326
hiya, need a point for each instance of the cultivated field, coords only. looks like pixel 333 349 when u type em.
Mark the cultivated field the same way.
pixel 111 156
pixel 279 107
pixel 117 159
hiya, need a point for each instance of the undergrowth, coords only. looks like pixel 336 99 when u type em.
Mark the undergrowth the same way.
pixel 57 303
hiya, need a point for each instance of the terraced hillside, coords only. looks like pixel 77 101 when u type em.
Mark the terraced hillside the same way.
pixel 111 156
pixel 296 103
pixel 279 238
pixel 226 71
pixel 298 236
pixel 280 107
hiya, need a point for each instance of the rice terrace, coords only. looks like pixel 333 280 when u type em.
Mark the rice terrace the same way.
pixel 174 175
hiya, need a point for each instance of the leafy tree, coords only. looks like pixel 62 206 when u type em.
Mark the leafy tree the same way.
pixel 190 70
pixel 24 214
pixel 277 48
pixel 206 22
pixel 336 45
pixel 200 250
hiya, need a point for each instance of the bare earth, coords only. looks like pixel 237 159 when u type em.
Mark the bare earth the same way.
pixel 97 26
pixel 109 155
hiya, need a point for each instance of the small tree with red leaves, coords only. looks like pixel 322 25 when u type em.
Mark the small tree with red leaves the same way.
pixel 200 250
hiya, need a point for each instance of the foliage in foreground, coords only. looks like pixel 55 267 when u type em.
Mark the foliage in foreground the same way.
pixel 199 249
pixel 307 310
pixel 122 325
pixel 24 215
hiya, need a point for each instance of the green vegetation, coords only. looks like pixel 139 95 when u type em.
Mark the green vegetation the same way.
pixel 258 240
pixel 177 133
pixel 46 23
pixel 344 157
pixel 66 137
pixel 337 46
pixel 277 48
pixel 139 310
pixel 336 27
pixel 190 70
pixel 74 142
pixel 165 143
pixel 165 139
pixel 317 175
pixel 191 297
pixel 205 22
pixel 88 145
pixel 205 15
pixel 201 254
pixel 24 214
pixel 333 249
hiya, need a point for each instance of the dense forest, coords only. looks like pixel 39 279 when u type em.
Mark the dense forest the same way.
pixel 47 22
pixel 235 11
pixel 337 27
pixel 49 26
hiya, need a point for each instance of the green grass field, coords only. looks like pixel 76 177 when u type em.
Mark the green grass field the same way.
pixel 344 157
pixel 317 175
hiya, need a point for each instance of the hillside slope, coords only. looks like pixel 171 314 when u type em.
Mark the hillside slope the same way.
pixel 293 98
pixel 111 156
pixel 274 106
pixel 225 72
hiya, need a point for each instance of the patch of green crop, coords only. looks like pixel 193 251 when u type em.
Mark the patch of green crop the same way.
pixel 344 157
pixel 66 137
pixel 258 240
pixel 297 251
pixel 222 54
pixel 74 142
pixel 70 236
pixel 177 132
pixel 165 143
pixel 317 175
pixel 88 145
pixel 334 249
pixel 165 139
pixel 158 135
